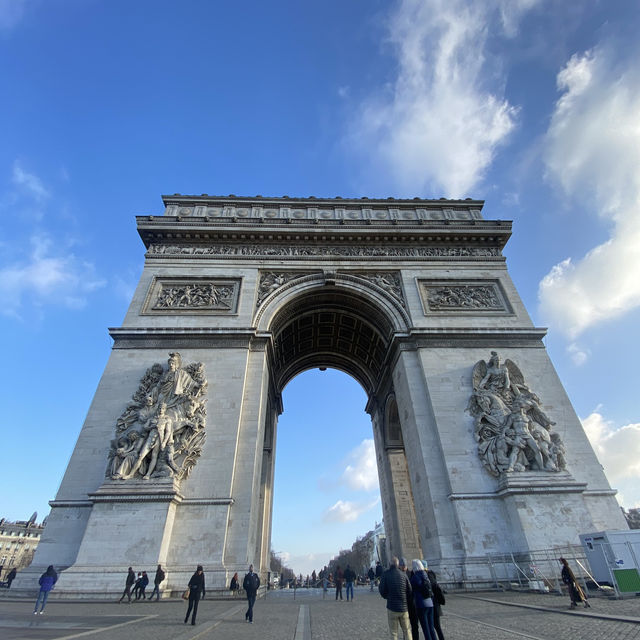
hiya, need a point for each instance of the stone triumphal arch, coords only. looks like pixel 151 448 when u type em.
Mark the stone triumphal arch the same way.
pixel 478 448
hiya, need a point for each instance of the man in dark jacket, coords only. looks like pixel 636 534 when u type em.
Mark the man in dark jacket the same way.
pixel 395 588
pixel 349 578
pixel 250 584
pixel 131 578
pixel 10 577
pixel 156 583
pixel 379 571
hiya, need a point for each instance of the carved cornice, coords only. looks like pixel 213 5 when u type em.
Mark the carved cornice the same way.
pixel 70 504
pixel 183 338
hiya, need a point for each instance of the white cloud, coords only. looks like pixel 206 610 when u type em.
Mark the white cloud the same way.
pixel 347 511
pixel 619 453
pixel 46 277
pixel 29 183
pixel 361 473
pixel 578 354
pixel 438 127
pixel 593 154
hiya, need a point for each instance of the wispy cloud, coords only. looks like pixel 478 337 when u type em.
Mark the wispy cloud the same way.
pixel 11 13
pixel 438 125
pixel 45 270
pixel 593 154
pixel 619 453
pixel 348 511
pixel 29 183
pixel 361 472
pixel 46 276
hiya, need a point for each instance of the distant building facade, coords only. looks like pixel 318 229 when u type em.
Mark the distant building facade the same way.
pixel 18 542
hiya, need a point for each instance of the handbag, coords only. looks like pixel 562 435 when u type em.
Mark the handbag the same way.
pixel 187 592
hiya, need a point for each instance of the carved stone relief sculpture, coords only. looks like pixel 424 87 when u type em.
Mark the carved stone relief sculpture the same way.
pixel 272 281
pixel 512 431
pixel 388 281
pixel 195 296
pixel 161 433
pixel 442 296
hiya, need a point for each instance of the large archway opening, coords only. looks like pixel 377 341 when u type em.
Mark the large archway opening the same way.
pixel 326 491
pixel 330 360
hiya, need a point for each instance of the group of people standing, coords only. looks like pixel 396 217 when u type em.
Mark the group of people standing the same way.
pixel 348 576
pixel 413 598
pixel 136 586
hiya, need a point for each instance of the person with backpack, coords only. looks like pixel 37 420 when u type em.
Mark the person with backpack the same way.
pixel 47 580
pixel 251 584
pixel 423 598
pixel 156 583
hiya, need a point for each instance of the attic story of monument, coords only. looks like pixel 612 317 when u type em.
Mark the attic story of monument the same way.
pixel 478 448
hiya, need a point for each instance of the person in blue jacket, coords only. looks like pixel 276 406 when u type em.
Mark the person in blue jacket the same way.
pixel 47 580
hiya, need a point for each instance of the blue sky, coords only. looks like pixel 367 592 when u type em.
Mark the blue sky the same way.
pixel 531 105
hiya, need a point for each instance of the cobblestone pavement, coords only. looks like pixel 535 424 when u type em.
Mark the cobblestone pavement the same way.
pixel 477 616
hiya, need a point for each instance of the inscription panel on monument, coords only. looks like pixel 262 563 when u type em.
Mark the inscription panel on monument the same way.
pixel 194 295
pixel 473 297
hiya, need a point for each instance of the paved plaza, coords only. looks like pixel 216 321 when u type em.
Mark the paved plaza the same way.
pixel 305 615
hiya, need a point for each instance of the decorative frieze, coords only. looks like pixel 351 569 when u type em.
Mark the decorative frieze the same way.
pixel 329 251
pixel 193 295
pixel 463 296
pixel 314 212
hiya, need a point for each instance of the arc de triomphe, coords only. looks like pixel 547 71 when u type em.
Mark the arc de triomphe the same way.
pixel 478 447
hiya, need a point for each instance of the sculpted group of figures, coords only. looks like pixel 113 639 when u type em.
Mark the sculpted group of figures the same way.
pixel 512 430
pixel 162 432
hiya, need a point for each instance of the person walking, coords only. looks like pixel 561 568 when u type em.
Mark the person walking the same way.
pixel 196 589
pixel 371 574
pixel 47 580
pixel 349 578
pixel 339 577
pixel 159 577
pixel 423 598
pixel 131 578
pixel 411 605
pixel 234 587
pixel 438 602
pixel 10 577
pixel 395 588
pixel 136 587
pixel 379 572
pixel 250 584
pixel 142 585
pixel 576 594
